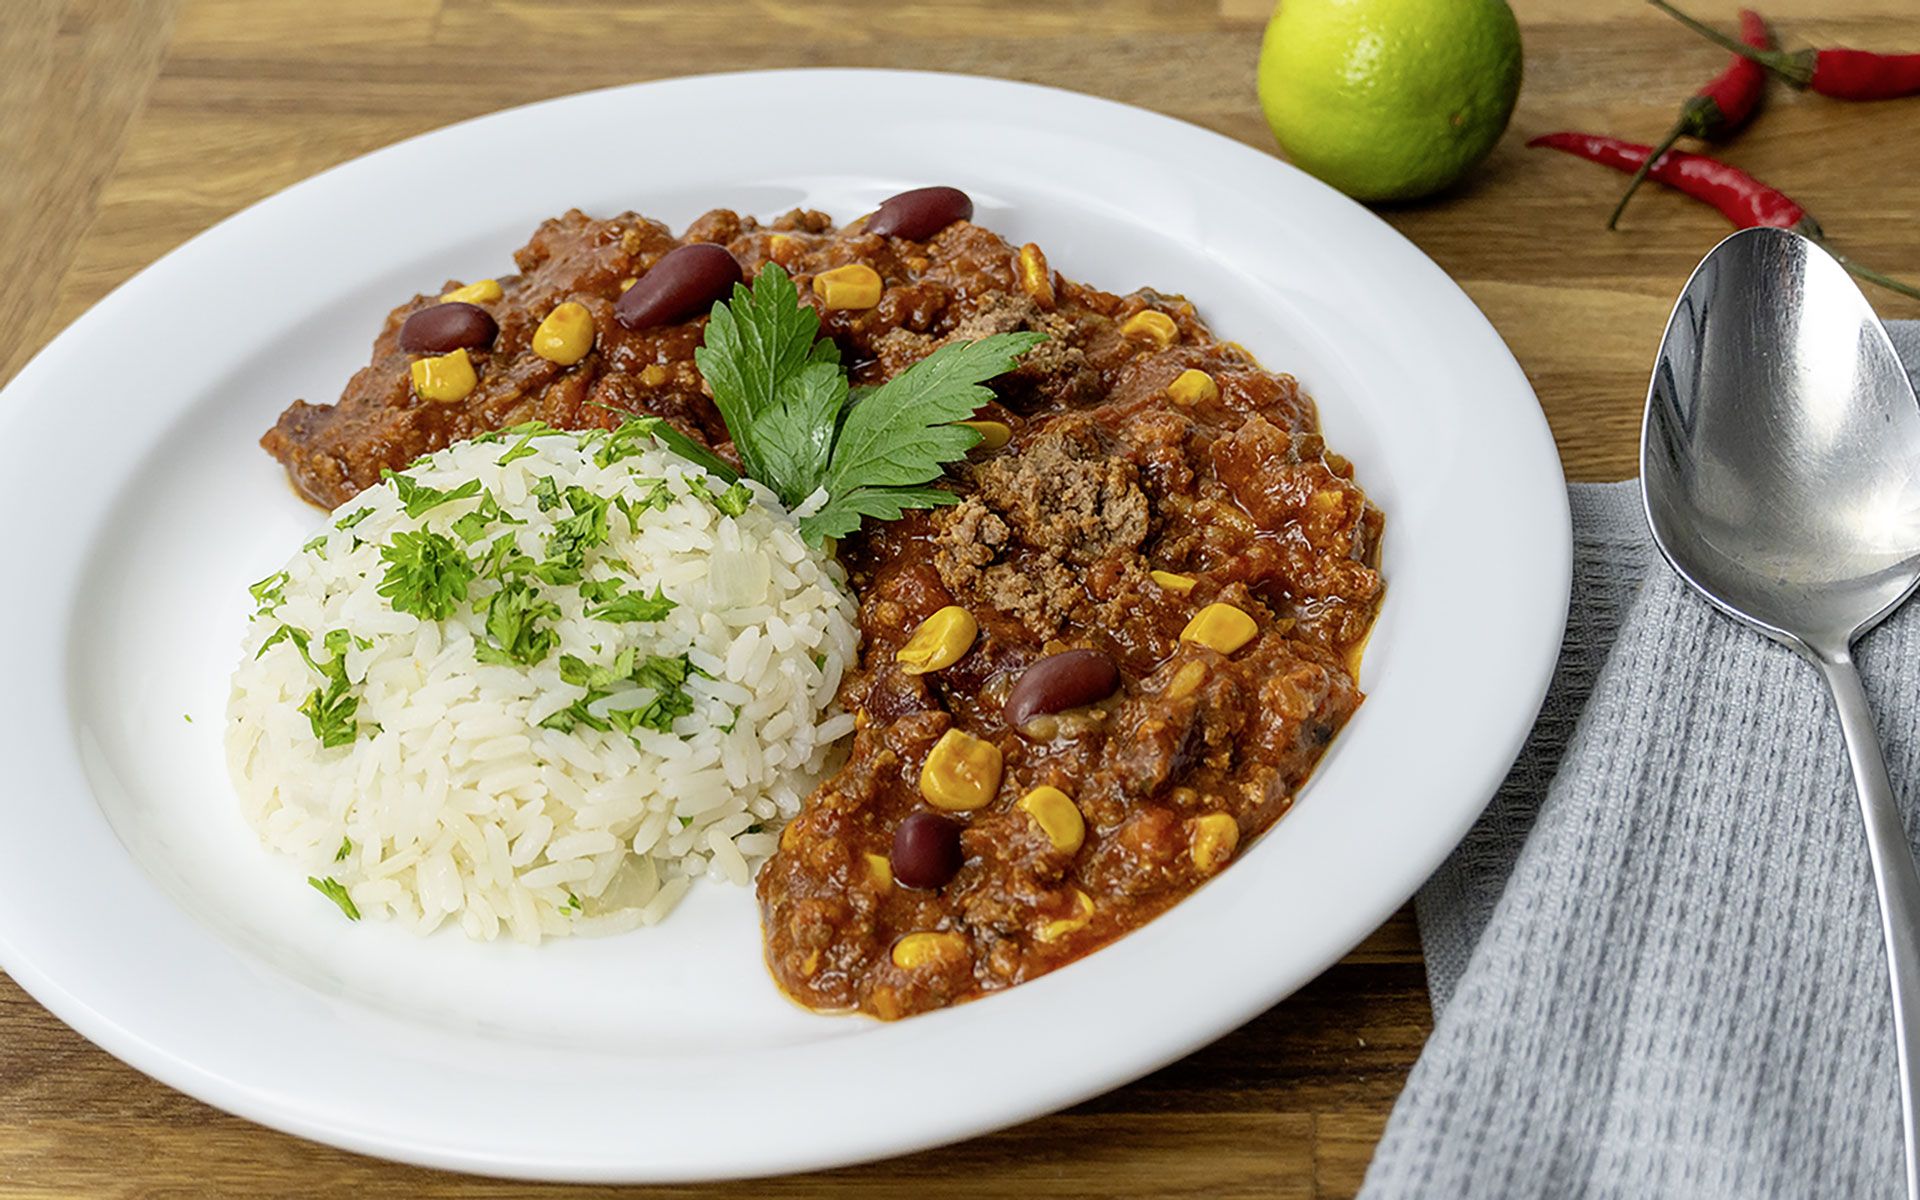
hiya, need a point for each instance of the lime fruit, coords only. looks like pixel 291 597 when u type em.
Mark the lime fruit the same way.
pixel 1389 99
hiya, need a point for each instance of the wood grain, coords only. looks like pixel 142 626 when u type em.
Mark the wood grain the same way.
pixel 126 128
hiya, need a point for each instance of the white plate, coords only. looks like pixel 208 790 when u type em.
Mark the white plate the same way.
pixel 136 905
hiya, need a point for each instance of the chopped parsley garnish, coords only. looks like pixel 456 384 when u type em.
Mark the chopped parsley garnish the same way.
pixel 187 717
pixel 335 891
pixel 269 592
pixel 664 676
pixel 330 709
pixel 523 448
pixel 472 527
pixel 547 492
pixel 798 428
pixel 514 614
pixel 573 536
pixel 346 848
pixel 599 591
pixel 353 518
pixel 418 498
pixel 573 902
pixel 427 575
pixel 630 606
pixel 317 545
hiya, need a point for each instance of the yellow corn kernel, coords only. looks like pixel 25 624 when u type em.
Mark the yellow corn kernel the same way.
pixel 444 379
pixel 1215 836
pixel 855 285
pixel 566 335
pixel 1187 680
pixel 1053 931
pixel 939 641
pixel 653 375
pixel 1057 816
pixel 1192 387
pixel 1220 627
pixel 1153 325
pixel 993 434
pixel 880 871
pixel 780 248
pixel 1036 280
pixel 628 282
pixel 917 950
pixel 480 291
pixel 1172 582
pixel 961 772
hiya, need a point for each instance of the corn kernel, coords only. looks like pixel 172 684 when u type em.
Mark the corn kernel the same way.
pixel 1157 327
pixel 780 248
pixel 1035 279
pixel 917 950
pixel 627 283
pixel 1057 816
pixel 480 291
pixel 566 335
pixel 1173 582
pixel 993 434
pixel 1187 680
pixel 1215 836
pixel 1053 931
pixel 939 641
pixel 1192 387
pixel 1220 627
pixel 855 285
pixel 961 772
pixel 444 379
pixel 880 871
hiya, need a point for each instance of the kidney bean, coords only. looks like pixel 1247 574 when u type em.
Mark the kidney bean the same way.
pixel 926 850
pixel 919 214
pixel 684 283
pixel 448 327
pixel 1059 682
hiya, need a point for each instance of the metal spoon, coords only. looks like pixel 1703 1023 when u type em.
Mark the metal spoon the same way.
pixel 1781 465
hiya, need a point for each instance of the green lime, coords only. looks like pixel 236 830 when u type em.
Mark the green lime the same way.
pixel 1389 99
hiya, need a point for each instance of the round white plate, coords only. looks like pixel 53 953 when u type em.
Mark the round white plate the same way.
pixel 137 906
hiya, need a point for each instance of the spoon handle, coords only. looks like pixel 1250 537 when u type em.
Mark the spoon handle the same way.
pixel 1896 882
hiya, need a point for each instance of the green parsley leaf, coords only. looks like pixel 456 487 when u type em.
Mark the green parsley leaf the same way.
pixel 269 593
pixel 353 518
pixel 316 546
pixel 514 614
pixel 526 431
pixel 633 606
pixel 427 575
pixel 335 891
pixel 573 536
pixel 472 527
pixel 599 591
pixel 187 717
pixel 798 428
pixel 346 848
pixel 330 713
pixel 547 492
pixel 418 498
pixel 573 902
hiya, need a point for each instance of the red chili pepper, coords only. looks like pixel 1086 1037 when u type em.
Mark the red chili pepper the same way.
pixel 1740 197
pixel 1838 72
pixel 1718 110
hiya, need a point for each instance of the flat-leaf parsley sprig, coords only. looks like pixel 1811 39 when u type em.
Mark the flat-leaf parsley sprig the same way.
pixel 800 429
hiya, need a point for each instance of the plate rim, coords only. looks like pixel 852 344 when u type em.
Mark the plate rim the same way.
pixel 155 1060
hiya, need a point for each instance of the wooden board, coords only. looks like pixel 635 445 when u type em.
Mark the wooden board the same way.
pixel 127 126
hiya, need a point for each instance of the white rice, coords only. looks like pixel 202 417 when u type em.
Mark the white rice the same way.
pixel 453 802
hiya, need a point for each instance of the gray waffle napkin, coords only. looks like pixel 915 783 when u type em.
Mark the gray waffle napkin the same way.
pixel 1656 962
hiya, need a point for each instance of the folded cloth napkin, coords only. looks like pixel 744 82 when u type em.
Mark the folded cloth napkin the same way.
pixel 1656 961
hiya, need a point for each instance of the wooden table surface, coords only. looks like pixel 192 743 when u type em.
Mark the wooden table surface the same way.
pixel 127 126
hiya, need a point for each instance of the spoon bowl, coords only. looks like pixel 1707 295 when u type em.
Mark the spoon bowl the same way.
pixel 1780 460
pixel 1781 451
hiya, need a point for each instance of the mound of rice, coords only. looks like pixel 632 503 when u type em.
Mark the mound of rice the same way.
pixel 583 789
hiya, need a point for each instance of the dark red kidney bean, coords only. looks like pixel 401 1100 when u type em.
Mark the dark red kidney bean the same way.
pixel 919 214
pixel 448 327
pixel 1061 681
pixel 926 850
pixel 684 283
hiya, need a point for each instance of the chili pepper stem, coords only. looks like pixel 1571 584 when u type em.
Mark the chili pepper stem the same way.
pixel 1666 144
pixel 1786 66
pixel 1873 276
